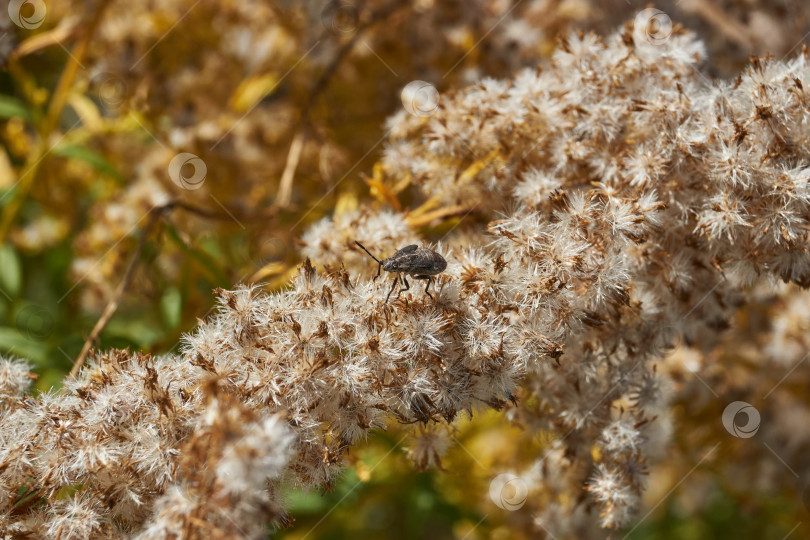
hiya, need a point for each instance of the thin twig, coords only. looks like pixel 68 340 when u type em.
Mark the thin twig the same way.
pixel 154 214
pixel 270 212
pixel 730 27
pixel 285 186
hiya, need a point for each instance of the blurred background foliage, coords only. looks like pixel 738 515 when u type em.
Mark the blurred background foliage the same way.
pixel 285 103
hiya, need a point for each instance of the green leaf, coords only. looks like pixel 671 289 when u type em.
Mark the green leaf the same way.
pixel 10 270
pixel 208 262
pixel 14 342
pixel 82 153
pixel 11 107
pixel 171 307
pixel 34 320
pixel 134 331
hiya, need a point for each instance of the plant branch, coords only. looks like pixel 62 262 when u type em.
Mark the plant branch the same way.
pixel 154 215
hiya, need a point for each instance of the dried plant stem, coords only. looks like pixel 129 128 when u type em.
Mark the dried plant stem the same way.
pixel 293 157
pixel 115 301
pixel 231 213
pixel 285 187
pixel 154 215
pixel 730 27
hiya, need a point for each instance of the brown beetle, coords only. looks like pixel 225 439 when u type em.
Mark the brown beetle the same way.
pixel 419 262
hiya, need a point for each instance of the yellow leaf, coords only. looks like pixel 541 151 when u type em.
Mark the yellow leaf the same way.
pixel 346 203
pixel 55 36
pixel 441 213
pixel 427 206
pixel 282 280
pixel 86 110
pixel 404 182
pixel 7 175
pixel 477 166
pixel 270 269
pixel 251 90
pixel 379 190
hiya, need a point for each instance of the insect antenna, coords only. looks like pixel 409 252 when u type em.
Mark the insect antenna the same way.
pixel 379 268
pixel 367 251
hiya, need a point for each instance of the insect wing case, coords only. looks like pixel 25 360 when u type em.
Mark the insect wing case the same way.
pixel 415 261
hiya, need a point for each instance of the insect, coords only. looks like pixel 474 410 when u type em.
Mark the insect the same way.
pixel 419 262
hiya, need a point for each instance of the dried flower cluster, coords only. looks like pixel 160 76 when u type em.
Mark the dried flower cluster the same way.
pixel 150 94
pixel 630 203
pixel 258 87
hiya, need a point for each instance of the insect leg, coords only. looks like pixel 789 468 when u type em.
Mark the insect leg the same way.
pixel 407 286
pixel 396 280
pixel 428 279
